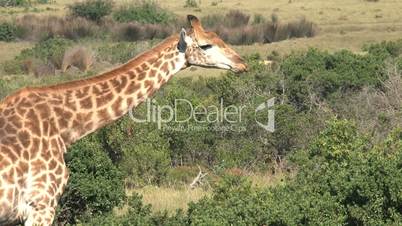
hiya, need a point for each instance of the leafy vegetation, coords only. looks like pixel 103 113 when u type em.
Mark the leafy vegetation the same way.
pixel 191 4
pixel 8 32
pixel 19 3
pixel 96 185
pixel 93 10
pixel 50 51
pixel 146 12
pixel 342 179
pixel 343 174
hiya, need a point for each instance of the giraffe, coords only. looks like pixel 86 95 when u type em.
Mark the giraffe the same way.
pixel 37 125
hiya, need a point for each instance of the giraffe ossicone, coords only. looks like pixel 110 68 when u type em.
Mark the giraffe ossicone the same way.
pixel 37 125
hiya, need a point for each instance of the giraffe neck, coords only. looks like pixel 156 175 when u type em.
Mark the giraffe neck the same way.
pixel 90 104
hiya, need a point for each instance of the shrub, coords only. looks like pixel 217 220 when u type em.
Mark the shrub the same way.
pixel 47 54
pixel 135 31
pixel 14 3
pixel 95 185
pixel 121 52
pixel 144 158
pixel 274 31
pixel 385 49
pixel 360 186
pixel 9 3
pixel 236 18
pixel 77 56
pixel 321 73
pixel 8 32
pixel 191 4
pixel 14 66
pixel 93 10
pixel 258 19
pixel 145 165
pixel 399 64
pixel 146 12
pixel 45 70
pixel 36 28
pixel 49 51
pixel 234 28
pixel 232 19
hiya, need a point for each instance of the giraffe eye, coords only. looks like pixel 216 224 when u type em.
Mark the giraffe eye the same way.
pixel 205 47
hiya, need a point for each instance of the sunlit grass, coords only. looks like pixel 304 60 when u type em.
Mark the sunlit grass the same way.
pixel 169 199
pixel 172 198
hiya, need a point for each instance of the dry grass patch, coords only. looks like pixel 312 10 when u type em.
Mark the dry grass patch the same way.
pixel 169 199
pixel 172 198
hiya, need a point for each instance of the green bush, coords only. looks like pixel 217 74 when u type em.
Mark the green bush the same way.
pixel 385 49
pixel 399 64
pixel 13 67
pixel 93 10
pixel 121 52
pixel 8 32
pixel 144 164
pixel 14 3
pixel 95 185
pixel 191 4
pixel 145 12
pixel 8 3
pixel 342 180
pixel 50 51
pixel 322 74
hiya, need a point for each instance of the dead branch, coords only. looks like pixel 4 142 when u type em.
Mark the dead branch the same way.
pixel 198 179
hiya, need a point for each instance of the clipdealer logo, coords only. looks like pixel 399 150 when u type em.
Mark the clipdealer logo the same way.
pixel 224 117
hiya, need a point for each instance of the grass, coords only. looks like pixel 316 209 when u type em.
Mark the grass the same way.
pixel 343 24
pixel 169 199
pixel 172 198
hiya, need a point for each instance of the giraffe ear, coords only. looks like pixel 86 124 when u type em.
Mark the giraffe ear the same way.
pixel 195 23
pixel 182 46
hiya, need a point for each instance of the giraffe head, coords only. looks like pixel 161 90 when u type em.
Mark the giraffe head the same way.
pixel 206 49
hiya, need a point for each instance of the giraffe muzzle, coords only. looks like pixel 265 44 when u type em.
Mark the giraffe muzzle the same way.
pixel 239 68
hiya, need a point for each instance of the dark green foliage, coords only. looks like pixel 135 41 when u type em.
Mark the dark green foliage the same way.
pixel 95 186
pixel 385 49
pixel 320 73
pixel 145 12
pixel 8 3
pixel 8 32
pixel 145 164
pixel 19 3
pixel 50 50
pixel 362 186
pixel 93 10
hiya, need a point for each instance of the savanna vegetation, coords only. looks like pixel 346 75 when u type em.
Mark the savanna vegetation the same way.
pixel 334 158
